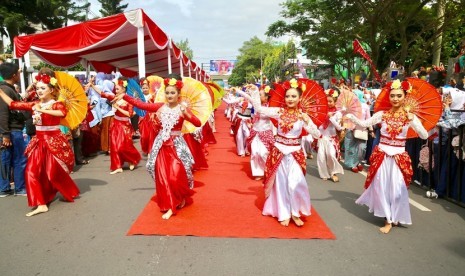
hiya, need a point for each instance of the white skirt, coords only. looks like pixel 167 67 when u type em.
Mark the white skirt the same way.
pixel 387 196
pixel 243 132
pixel 328 165
pixel 259 154
pixel 290 195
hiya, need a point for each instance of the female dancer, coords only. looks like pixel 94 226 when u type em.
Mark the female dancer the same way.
pixel 390 173
pixel 170 161
pixel 49 156
pixel 148 125
pixel 121 146
pixel 261 138
pixel 328 145
pixel 286 189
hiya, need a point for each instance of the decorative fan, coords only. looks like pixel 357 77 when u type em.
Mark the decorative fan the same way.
pixel 348 102
pixel 424 101
pixel 218 93
pixel 198 100
pixel 313 100
pixel 133 89
pixel 74 97
pixel 155 83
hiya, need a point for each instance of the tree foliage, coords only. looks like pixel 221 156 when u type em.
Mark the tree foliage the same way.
pixel 403 31
pixel 186 49
pixel 111 7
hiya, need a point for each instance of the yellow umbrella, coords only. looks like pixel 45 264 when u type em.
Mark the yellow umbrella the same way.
pixel 218 93
pixel 74 97
pixel 197 98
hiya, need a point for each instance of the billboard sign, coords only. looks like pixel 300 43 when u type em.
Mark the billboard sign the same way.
pixel 221 67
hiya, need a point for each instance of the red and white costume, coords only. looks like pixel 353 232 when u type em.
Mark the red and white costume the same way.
pixel 390 173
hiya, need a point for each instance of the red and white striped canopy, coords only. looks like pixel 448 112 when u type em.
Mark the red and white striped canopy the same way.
pixel 130 42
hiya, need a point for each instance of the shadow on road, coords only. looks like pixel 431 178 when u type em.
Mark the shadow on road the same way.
pixel 85 184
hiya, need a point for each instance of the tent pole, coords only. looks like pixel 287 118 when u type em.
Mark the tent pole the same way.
pixel 190 75
pixel 23 85
pixel 87 69
pixel 169 57
pixel 181 69
pixel 141 51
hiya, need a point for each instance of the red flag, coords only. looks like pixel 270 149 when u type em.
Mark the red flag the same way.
pixel 359 50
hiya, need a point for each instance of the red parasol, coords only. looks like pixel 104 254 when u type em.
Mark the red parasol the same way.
pixel 348 102
pixel 313 100
pixel 424 101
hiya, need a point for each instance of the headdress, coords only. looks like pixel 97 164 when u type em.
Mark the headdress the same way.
pixel 293 83
pixel 405 85
pixel 122 83
pixel 331 92
pixel 47 79
pixel 174 82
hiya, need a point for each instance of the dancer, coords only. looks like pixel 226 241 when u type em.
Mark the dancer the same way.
pixel 149 126
pixel 390 173
pixel 329 151
pixel 286 190
pixel 50 158
pixel 121 146
pixel 170 161
pixel 241 126
pixel 261 137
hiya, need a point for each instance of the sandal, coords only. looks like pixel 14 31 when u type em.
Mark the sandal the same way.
pixel 83 162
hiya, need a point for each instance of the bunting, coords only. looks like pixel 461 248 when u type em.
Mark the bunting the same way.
pixel 359 50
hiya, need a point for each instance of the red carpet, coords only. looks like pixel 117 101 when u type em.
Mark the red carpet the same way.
pixel 227 202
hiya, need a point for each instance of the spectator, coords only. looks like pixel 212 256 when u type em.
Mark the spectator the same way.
pixel 11 131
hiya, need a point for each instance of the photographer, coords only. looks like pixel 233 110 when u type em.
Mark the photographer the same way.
pixel 11 126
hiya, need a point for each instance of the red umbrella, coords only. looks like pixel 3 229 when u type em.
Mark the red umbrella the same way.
pixel 424 101
pixel 313 100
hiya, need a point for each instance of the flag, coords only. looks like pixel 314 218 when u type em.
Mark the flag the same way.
pixel 359 50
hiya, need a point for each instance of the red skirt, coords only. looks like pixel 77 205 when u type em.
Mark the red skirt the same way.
pixel 148 129
pixel 50 159
pixel 121 146
pixel 196 149
pixel 171 181
pixel 207 134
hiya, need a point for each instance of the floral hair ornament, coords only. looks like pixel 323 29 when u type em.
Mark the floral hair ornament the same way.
pixel 293 83
pixel 122 83
pixel 405 85
pixel 332 93
pixel 47 79
pixel 174 82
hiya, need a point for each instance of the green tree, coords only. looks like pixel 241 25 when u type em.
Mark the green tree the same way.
pixel 69 10
pixel 186 49
pixel 111 7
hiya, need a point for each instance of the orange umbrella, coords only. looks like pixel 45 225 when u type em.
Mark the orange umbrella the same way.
pixel 424 101
pixel 74 97
pixel 313 100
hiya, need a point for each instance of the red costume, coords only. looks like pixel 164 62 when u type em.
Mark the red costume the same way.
pixel 172 173
pixel 49 158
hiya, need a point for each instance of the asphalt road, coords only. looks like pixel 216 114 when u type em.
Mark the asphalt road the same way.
pixel 88 237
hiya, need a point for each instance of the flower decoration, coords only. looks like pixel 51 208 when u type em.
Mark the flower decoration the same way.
pixel 122 83
pixel 46 79
pixel 293 83
pixel 144 82
pixel 397 84
pixel 173 82
pixel 332 93
pixel 267 89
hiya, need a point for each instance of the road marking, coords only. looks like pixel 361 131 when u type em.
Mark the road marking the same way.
pixel 411 201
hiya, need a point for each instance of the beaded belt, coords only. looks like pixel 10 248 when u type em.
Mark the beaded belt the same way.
pixel 124 119
pixel 288 141
pixel 47 128
pixel 392 142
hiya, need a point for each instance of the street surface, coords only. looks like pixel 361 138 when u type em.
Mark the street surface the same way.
pixel 88 237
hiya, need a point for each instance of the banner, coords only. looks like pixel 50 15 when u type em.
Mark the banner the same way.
pixel 359 50
pixel 221 67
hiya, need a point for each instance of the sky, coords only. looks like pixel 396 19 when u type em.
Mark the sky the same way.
pixel 216 29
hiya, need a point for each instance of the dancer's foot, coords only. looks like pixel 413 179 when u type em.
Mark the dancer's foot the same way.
pixel 324 178
pixel 259 178
pixel 360 167
pixel 355 169
pixel 182 204
pixel 285 222
pixel 386 228
pixel 335 178
pixel 310 156
pixel 297 221
pixel 38 210
pixel 168 214
pixel 120 170
pixel 131 167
